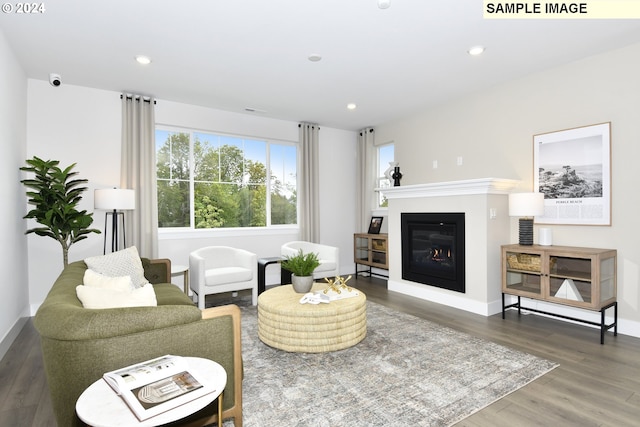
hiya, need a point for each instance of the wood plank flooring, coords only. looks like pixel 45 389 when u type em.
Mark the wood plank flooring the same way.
pixel 595 385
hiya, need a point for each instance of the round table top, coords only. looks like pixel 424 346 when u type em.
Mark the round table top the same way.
pixel 178 268
pixel 285 301
pixel 100 406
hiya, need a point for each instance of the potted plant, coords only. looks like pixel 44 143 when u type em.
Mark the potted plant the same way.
pixel 301 266
pixel 55 196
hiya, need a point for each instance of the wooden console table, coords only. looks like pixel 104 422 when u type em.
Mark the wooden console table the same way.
pixel 578 277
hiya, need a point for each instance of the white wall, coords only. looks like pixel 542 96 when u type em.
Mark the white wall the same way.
pixel 14 304
pixel 79 125
pixel 493 132
pixel 82 125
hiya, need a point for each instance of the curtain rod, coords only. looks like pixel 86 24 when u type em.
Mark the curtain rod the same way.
pixel 137 98
pixel 308 124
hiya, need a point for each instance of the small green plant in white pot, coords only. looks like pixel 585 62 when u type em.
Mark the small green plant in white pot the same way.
pixel 301 266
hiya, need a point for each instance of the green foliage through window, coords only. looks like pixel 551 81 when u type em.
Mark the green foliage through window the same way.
pixel 219 181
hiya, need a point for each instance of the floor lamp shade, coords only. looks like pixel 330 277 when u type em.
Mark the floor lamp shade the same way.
pixel 114 201
pixel 526 206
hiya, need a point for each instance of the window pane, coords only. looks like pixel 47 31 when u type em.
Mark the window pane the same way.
pixel 231 159
pixel 255 159
pixel 172 169
pixel 173 203
pixel 385 156
pixel 206 157
pixel 283 184
pixel 172 155
pixel 253 206
pixel 213 205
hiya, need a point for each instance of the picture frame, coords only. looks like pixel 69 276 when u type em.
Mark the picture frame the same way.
pixel 375 225
pixel 572 168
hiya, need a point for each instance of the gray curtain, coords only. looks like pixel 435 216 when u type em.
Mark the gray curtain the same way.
pixel 308 193
pixel 138 172
pixel 366 176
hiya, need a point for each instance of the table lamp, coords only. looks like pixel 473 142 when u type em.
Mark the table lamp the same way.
pixel 114 200
pixel 526 206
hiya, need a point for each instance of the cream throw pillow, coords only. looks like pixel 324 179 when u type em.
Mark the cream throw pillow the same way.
pixel 125 262
pixel 109 298
pixel 96 280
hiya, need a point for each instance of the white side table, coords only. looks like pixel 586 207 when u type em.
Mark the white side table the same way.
pixel 100 406
pixel 184 270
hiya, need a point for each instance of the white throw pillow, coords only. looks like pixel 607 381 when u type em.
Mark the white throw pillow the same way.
pixel 125 262
pixel 96 280
pixel 108 298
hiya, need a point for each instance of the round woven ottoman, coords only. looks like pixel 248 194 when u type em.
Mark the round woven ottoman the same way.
pixel 286 324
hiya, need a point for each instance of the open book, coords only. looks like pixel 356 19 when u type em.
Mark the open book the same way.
pixel 158 385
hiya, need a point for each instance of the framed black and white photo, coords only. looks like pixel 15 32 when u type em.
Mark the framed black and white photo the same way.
pixel 572 168
pixel 374 226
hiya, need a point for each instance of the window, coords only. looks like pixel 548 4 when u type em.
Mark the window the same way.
pixel 208 180
pixel 385 156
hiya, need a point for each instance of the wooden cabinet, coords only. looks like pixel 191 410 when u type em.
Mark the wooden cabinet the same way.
pixel 371 250
pixel 578 277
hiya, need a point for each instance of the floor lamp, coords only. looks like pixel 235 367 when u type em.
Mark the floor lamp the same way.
pixel 526 206
pixel 115 201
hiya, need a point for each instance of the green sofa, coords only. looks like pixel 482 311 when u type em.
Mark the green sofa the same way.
pixel 80 344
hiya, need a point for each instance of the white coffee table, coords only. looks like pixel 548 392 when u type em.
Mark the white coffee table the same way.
pixel 100 406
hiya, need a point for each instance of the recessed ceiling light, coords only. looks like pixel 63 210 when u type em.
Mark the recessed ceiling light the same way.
pixel 384 4
pixel 476 50
pixel 352 106
pixel 144 60
pixel 314 57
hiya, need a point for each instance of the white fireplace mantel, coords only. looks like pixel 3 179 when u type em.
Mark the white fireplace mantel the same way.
pixel 452 188
pixel 485 205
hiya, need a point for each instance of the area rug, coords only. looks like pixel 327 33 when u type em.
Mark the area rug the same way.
pixel 406 372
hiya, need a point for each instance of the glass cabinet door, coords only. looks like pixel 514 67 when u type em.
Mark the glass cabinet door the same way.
pixel 361 249
pixel 523 273
pixel 570 279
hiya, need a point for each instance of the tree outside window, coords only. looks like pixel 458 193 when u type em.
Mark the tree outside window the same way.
pixel 219 181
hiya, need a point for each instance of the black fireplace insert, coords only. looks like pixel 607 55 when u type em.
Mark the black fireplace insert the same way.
pixel 433 249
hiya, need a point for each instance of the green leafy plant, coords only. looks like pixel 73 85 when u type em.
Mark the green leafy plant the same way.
pixel 55 196
pixel 301 264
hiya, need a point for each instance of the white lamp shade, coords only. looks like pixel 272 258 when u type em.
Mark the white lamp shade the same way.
pixel 114 199
pixel 526 204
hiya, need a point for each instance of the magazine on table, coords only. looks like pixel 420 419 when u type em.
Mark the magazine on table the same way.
pixel 158 385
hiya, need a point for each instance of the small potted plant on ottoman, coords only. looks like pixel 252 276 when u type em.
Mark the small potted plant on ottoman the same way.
pixel 302 266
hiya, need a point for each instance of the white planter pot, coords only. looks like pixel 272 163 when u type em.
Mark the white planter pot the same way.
pixel 301 284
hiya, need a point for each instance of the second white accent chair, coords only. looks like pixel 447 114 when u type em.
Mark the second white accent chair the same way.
pixel 328 256
pixel 217 269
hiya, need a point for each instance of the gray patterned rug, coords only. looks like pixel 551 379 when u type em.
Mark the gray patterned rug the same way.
pixel 406 372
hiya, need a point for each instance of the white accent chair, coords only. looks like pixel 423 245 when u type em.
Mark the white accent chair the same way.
pixel 328 256
pixel 216 269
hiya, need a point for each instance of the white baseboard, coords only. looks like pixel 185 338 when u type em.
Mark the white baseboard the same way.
pixel 429 293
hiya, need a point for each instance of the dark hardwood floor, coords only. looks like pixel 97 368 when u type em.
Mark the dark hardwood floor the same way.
pixel 595 385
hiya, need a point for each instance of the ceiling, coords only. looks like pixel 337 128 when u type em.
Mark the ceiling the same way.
pixel 239 54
